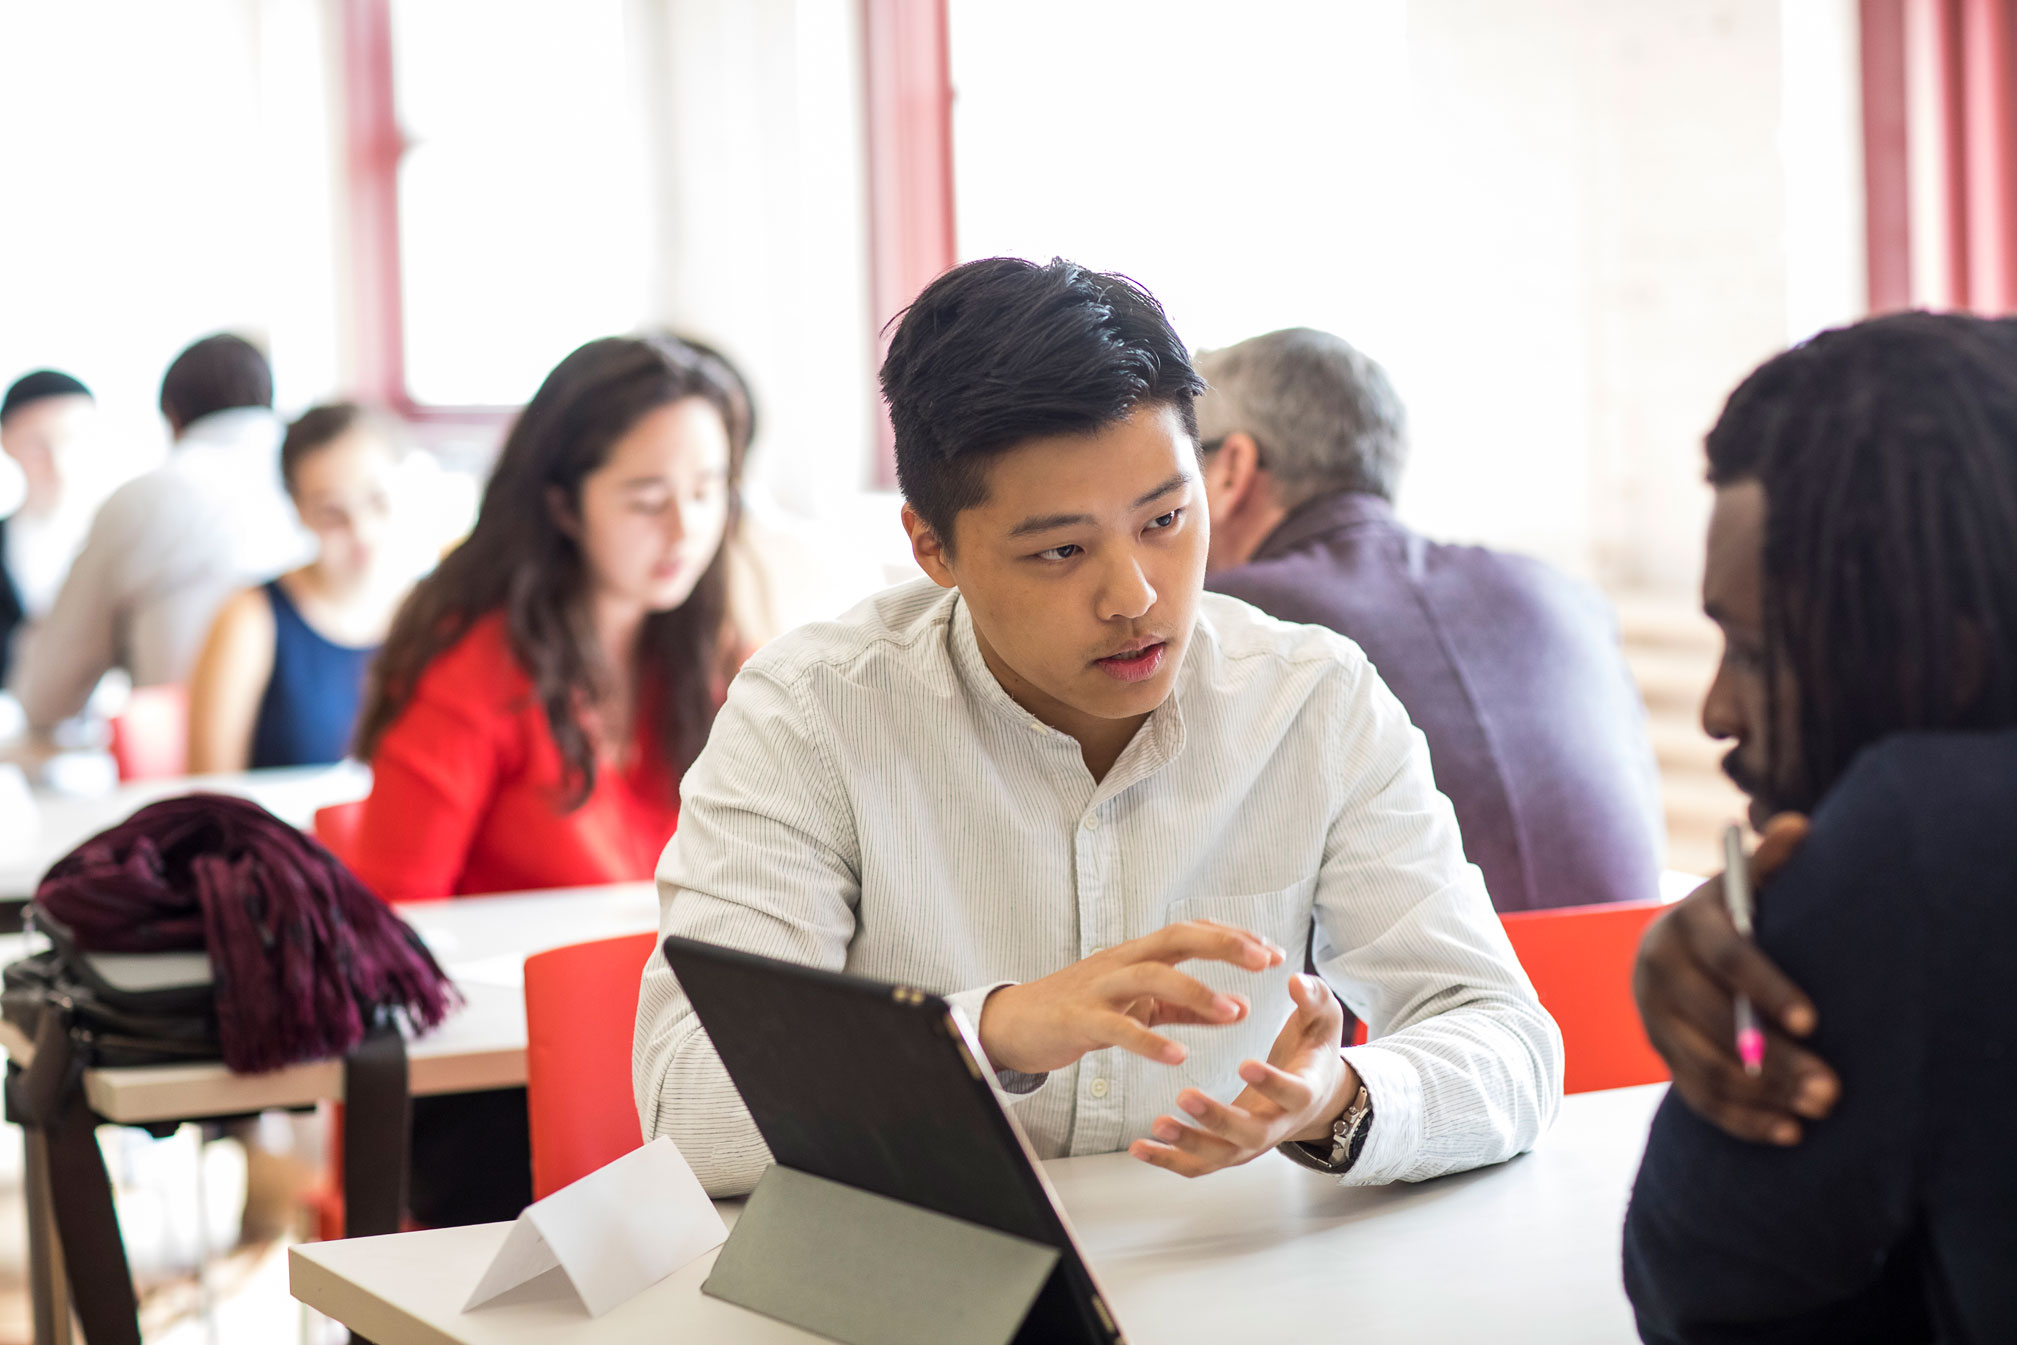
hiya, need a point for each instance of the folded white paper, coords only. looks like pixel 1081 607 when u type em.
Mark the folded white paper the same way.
pixel 614 1233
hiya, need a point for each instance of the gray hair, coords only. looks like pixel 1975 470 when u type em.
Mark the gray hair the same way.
pixel 1324 415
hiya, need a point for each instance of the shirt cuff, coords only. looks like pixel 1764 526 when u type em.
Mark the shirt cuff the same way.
pixel 967 1003
pixel 1394 1087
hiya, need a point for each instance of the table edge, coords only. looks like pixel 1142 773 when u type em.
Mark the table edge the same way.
pixel 364 1312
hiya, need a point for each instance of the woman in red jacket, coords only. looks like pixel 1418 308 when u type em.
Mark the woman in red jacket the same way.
pixel 541 693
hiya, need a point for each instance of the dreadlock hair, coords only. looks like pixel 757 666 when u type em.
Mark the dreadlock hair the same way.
pixel 518 561
pixel 1888 455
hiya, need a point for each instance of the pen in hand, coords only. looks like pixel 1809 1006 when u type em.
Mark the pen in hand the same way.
pixel 1737 895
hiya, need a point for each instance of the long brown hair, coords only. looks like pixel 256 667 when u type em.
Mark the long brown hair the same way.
pixel 517 560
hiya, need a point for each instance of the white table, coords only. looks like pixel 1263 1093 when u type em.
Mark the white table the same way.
pixel 63 821
pixel 1521 1254
pixel 482 942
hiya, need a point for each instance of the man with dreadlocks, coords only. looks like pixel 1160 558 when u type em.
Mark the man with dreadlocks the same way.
pixel 1862 563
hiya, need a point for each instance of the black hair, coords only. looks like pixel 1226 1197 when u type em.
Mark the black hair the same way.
pixel 1888 455
pixel 519 561
pixel 218 373
pixel 43 383
pixel 316 429
pixel 998 352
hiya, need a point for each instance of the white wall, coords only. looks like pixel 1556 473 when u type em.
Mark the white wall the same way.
pixel 1603 185
pixel 169 173
pixel 1567 227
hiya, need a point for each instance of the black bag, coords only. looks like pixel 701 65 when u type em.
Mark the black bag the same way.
pixel 86 1010
pixel 120 1008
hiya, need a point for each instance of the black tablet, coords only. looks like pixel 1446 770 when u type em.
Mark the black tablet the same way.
pixel 877 1087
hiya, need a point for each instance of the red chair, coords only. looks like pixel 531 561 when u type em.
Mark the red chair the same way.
pixel 580 1016
pixel 150 737
pixel 337 826
pixel 1580 960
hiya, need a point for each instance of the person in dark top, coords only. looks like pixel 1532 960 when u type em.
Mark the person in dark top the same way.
pixel 1862 563
pixel 1511 669
pixel 283 672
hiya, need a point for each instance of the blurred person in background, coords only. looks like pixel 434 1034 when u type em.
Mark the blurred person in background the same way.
pixel 281 676
pixel 167 548
pixel 1512 670
pixel 543 691
pixel 45 420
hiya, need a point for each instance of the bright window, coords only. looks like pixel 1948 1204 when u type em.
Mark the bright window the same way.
pixel 1233 158
pixel 523 192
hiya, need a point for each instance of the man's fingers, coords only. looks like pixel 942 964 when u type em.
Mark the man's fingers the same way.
pixel 1758 1125
pixel 1318 1013
pixel 1290 1092
pixel 1736 965
pixel 1169 1158
pixel 1161 1014
pixel 1213 942
pixel 1171 989
pixel 1207 1152
pixel 1783 835
pixel 1117 1029
pixel 1793 1079
pixel 1794 1082
pixel 1233 1126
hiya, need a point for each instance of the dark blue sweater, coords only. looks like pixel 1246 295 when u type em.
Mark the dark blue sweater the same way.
pixel 1896 1218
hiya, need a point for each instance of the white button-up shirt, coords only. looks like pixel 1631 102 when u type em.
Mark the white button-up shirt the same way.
pixel 871 800
pixel 163 554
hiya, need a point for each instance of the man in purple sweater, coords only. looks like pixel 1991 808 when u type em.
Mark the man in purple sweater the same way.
pixel 1511 669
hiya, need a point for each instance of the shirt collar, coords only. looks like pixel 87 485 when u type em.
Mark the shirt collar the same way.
pixel 1154 746
pixel 1335 511
pixel 240 427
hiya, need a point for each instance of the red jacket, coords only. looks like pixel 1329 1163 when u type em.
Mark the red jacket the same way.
pixel 467 793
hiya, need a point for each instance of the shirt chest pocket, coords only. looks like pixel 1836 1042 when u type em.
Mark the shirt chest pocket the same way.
pixel 1215 1052
pixel 1283 916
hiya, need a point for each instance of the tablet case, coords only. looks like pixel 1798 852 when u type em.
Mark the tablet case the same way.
pixel 905 1204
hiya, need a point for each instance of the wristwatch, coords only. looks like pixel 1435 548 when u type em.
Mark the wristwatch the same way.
pixel 1348 1138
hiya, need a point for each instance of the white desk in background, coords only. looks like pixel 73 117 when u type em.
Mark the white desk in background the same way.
pixel 62 821
pixel 482 943
pixel 1521 1254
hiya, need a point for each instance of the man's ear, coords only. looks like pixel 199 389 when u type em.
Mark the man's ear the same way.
pixel 1230 474
pixel 562 511
pixel 928 549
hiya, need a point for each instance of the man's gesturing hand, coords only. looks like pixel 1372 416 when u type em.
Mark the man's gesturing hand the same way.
pixel 1302 1089
pixel 1691 966
pixel 1115 997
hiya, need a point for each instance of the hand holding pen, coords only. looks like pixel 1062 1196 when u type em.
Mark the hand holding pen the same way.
pixel 1692 965
pixel 1737 895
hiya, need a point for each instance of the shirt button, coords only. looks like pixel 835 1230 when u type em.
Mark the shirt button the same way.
pixel 1099 1088
pixel 1092 822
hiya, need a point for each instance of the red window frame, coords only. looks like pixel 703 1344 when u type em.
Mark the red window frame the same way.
pixel 908 96
pixel 907 81
pixel 1946 69
pixel 376 144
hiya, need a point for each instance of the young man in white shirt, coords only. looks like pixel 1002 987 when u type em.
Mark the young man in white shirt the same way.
pixel 1103 812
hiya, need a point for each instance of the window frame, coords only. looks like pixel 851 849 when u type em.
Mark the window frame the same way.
pixel 375 146
pixel 907 123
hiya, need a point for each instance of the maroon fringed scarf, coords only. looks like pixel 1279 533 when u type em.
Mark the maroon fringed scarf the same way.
pixel 304 958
